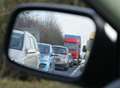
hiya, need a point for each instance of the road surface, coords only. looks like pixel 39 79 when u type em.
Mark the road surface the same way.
pixel 74 71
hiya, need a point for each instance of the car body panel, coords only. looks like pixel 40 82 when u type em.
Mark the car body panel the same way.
pixel 46 60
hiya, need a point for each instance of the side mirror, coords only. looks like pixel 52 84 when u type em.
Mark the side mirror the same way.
pixel 67 28
pixel 57 32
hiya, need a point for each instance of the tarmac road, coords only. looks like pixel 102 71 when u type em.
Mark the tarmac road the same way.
pixel 71 72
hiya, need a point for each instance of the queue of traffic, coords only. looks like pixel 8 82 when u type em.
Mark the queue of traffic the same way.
pixel 25 50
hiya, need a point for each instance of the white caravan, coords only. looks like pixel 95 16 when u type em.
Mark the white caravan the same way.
pixel 23 49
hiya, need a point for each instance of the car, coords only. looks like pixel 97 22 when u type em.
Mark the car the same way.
pixel 70 60
pixel 61 57
pixel 23 49
pixel 46 58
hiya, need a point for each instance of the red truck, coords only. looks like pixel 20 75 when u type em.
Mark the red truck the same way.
pixel 73 43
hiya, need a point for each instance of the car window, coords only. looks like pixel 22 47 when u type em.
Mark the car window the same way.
pixel 44 49
pixel 17 41
pixel 59 50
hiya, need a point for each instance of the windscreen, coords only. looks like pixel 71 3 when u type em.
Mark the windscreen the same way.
pixel 59 50
pixel 44 49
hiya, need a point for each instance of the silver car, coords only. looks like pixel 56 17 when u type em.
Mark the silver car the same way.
pixel 61 57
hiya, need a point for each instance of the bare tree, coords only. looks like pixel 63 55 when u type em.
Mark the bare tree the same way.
pixel 45 30
pixel 50 31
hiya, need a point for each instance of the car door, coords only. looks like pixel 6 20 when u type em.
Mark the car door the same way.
pixel 31 55
pixel 36 54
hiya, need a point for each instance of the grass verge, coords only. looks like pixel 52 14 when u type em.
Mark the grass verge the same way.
pixel 8 83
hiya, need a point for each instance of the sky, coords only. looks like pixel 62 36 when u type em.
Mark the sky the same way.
pixel 69 23
pixel 76 25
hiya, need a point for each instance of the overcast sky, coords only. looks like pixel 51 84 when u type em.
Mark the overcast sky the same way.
pixel 76 25
pixel 69 23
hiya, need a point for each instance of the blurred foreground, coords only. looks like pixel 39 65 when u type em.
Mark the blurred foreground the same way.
pixel 6 83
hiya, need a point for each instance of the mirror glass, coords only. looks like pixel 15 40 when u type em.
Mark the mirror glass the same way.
pixel 52 42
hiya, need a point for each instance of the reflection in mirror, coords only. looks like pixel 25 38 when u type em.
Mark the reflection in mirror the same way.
pixel 52 41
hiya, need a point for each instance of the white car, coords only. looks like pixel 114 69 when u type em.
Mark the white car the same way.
pixel 61 57
pixel 23 49
pixel 46 58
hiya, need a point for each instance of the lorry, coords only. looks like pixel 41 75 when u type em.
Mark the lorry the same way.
pixel 73 43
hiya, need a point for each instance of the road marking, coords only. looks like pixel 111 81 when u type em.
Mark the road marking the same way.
pixel 75 71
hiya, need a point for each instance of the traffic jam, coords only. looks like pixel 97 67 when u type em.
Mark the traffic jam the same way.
pixel 60 58
pixel 50 44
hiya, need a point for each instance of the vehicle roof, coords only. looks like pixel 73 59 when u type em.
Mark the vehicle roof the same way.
pixel 44 44
pixel 22 32
pixel 18 31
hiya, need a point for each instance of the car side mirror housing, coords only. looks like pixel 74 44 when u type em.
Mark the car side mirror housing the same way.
pixel 64 41
pixel 73 25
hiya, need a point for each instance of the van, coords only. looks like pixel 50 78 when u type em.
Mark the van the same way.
pixel 23 49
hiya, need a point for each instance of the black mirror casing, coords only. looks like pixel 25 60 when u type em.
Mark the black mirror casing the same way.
pixel 91 74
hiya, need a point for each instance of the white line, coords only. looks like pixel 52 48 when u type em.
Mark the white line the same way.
pixel 75 71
